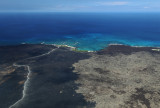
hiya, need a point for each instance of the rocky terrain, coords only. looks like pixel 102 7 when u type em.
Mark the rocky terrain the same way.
pixel 48 76
pixel 121 77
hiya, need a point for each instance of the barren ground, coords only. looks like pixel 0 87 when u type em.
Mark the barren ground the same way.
pixel 120 79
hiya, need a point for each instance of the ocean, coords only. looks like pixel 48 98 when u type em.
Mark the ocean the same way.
pixel 86 31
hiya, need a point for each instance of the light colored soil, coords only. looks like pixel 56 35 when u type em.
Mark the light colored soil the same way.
pixel 121 81
pixel 4 71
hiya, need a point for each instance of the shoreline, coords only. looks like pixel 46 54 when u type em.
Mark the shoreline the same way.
pixel 86 78
pixel 73 48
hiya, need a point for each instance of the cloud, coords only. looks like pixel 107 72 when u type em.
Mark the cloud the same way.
pixel 111 3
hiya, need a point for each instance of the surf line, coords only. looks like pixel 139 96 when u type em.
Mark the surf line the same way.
pixel 28 76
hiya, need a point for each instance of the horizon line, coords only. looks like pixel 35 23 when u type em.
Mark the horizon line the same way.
pixel 79 12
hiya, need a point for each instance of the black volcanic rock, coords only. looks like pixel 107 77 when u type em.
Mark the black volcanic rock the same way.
pixel 10 54
pixel 124 49
pixel 117 76
pixel 52 82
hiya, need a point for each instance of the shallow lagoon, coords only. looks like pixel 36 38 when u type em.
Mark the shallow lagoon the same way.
pixel 86 31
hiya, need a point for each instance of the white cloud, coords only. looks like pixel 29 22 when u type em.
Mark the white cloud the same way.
pixel 112 3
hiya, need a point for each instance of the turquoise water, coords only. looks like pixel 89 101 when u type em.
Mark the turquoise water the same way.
pixel 86 31
pixel 94 41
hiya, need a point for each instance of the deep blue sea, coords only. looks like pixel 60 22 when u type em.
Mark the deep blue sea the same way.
pixel 86 31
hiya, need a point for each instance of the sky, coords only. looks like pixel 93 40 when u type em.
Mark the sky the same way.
pixel 79 5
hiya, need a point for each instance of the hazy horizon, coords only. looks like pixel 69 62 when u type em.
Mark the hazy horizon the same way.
pixel 80 6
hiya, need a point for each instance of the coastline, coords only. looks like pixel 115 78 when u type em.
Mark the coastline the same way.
pixel 77 72
pixel 56 69
pixel 73 48
pixel 107 46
